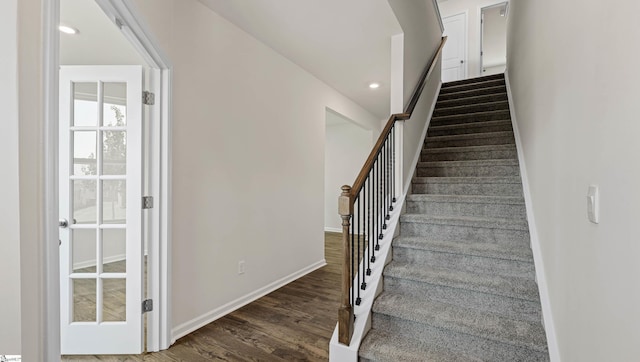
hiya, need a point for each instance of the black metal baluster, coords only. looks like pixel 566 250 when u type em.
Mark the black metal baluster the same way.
pixel 369 245
pixel 363 286
pixel 357 222
pixel 380 201
pixel 393 167
pixel 386 182
pixel 352 257
pixel 374 216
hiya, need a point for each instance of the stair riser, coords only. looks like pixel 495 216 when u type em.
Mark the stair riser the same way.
pixel 473 100
pixel 501 352
pixel 467 141
pixel 514 308
pixel 474 80
pixel 473 128
pixel 475 264
pixel 469 118
pixel 510 154
pixel 467 189
pixel 465 233
pixel 461 171
pixel 472 86
pixel 473 93
pixel 442 111
pixel 454 209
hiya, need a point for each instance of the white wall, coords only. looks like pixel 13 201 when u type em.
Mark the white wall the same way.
pixel 248 161
pixel 9 189
pixel 346 149
pixel 576 101
pixel 472 8
pixel 422 36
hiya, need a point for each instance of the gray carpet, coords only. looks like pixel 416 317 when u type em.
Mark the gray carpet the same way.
pixel 461 285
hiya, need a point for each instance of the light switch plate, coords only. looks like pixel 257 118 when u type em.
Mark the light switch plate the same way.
pixel 593 204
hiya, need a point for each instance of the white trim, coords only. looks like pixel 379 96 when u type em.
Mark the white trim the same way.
pixel 438 15
pixel 159 260
pixel 204 319
pixel 49 313
pixel 332 230
pixel 479 26
pixel 541 278
pixel 416 157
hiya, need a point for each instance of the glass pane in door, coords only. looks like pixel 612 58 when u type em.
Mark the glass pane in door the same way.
pixel 85 104
pixel 115 104
pixel 84 251
pixel 84 300
pixel 84 202
pixel 114 249
pixel 114 300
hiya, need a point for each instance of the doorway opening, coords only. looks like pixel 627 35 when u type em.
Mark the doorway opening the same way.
pixel 493 38
pixel 113 185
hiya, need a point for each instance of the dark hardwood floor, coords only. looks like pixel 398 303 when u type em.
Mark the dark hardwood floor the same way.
pixel 294 323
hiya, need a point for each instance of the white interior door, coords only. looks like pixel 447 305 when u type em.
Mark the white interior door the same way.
pixel 454 54
pixel 101 265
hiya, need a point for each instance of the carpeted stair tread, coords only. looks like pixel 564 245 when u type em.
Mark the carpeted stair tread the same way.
pixel 470 86
pixel 508 286
pixel 377 347
pixel 483 249
pixel 475 199
pixel 472 93
pixel 498 96
pixel 462 320
pixel 471 108
pixel 472 127
pixel 469 163
pixel 500 167
pixel 508 207
pixel 380 345
pixel 469 153
pixel 469 180
pixel 473 80
pixel 467 136
pixel 512 308
pixel 477 222
pixel 469 185
pixel 471 117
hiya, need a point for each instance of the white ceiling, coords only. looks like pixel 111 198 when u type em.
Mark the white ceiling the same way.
pixel 99 41
pixel 346 44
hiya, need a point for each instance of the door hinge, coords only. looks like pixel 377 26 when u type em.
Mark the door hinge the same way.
pixel 147 202
pixel 148 98
pixel 147 305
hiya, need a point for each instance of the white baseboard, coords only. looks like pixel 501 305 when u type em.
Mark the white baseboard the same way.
pixel 198 322
pixel 543 289
pixel 416 157
pixel 332 230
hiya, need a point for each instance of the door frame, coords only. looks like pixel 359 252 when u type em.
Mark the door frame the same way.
pixel 466 38
pixel 480 13
pixel 124 15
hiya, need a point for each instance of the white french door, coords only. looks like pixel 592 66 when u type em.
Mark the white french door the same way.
pixel 455 49
pixel 101 250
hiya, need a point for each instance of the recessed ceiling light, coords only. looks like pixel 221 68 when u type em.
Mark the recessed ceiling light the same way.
pixel 374 85
pixel 67 29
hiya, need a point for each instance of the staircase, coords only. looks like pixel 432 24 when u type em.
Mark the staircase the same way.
pixel 461 285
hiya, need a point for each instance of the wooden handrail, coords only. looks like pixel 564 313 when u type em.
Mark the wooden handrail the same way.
pixel 350 193
pixel 368 164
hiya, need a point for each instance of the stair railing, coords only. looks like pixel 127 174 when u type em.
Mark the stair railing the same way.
pixel 365 208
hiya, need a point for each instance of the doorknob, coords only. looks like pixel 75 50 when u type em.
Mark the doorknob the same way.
pixel 462 61
pixel 63 223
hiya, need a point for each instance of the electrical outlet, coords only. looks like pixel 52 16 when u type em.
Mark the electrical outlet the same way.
pixel 241 268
